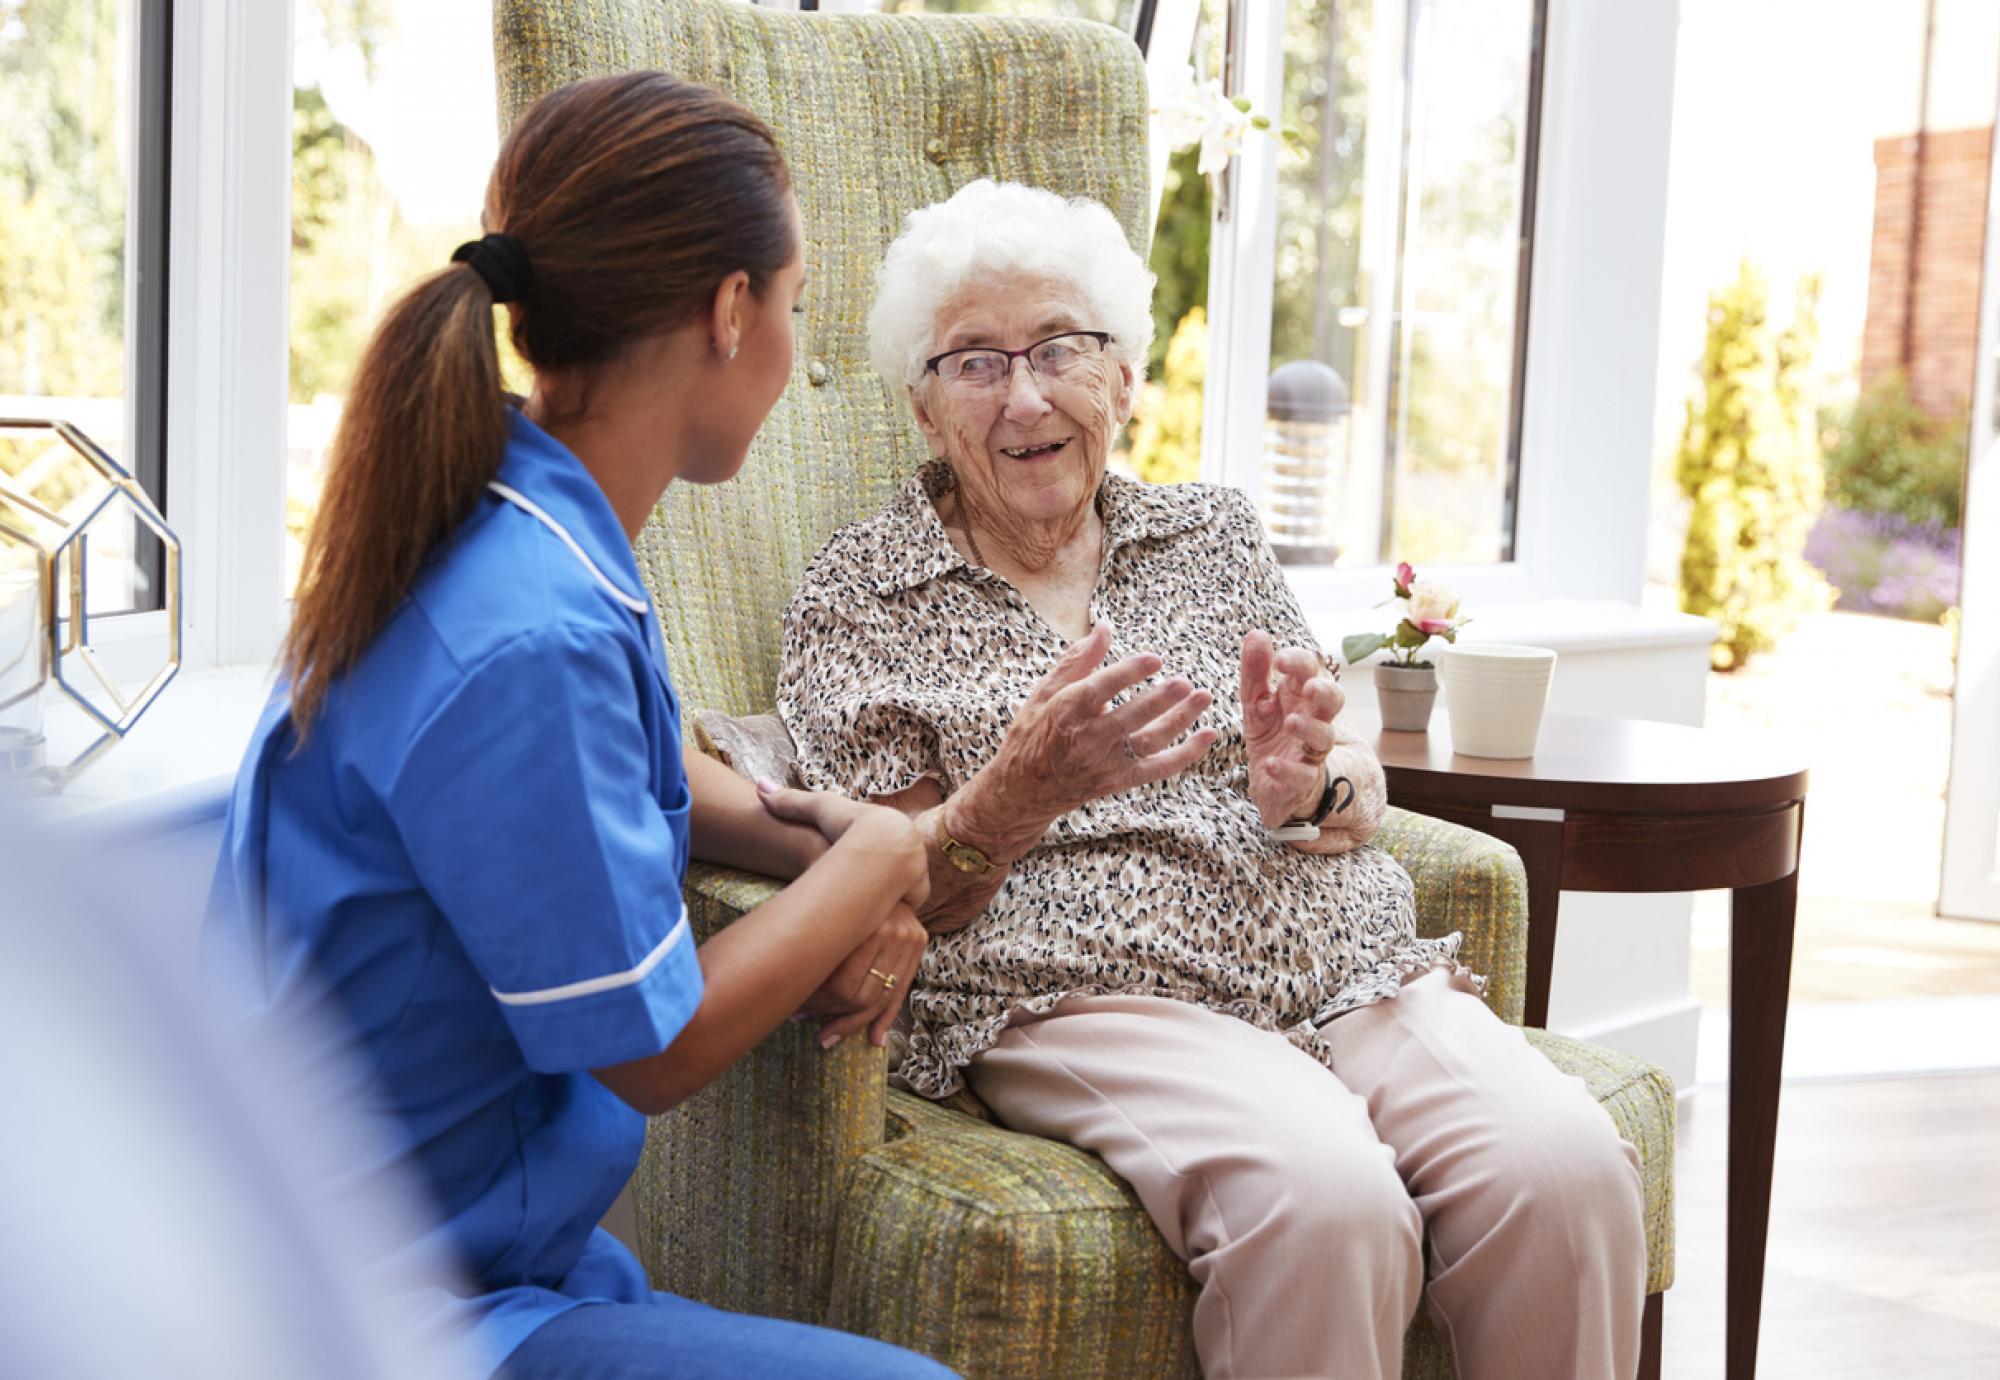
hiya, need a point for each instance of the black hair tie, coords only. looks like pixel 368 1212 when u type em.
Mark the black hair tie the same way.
pixel 501 261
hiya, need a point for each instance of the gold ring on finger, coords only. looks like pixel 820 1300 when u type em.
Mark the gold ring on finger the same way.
pixel 888 979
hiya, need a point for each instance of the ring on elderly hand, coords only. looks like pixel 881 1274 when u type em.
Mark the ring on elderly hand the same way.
pixel 1128 750
pixel 888 979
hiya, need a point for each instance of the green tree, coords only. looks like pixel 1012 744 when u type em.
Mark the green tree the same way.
pixel 352 246
pixel 1318 230
pixel 62 198
pixel 1166 443
pixel 1884 454
pixel 1179 257
pixel 1749 460
pixel 364 25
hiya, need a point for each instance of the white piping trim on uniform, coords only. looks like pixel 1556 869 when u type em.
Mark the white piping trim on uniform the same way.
pixel 515 497
pixel 635 974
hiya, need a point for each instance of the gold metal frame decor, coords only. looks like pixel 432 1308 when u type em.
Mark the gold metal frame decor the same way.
pixel 64 633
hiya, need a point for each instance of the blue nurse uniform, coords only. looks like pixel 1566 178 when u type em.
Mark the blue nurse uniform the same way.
pixel 473 864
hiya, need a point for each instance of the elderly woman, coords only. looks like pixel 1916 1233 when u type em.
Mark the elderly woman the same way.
pixel 1160 931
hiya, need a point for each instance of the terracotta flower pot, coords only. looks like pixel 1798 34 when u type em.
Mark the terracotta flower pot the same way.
pixel 1406 694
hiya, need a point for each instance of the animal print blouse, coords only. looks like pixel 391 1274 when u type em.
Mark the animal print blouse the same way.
pixel 902 661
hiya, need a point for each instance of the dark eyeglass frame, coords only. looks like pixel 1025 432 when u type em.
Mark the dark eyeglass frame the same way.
pixel 1103 339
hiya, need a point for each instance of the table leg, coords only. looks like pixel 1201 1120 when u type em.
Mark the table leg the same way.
pixel 1541 847
pixel 1540 844
pixel 1760 970
pixel 1651 1325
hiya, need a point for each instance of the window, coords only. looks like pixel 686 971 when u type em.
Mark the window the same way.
pixel 83 103
pixel 393 134
pixel 1398 268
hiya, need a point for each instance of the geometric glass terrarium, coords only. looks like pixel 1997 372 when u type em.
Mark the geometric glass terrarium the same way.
pixel 44 611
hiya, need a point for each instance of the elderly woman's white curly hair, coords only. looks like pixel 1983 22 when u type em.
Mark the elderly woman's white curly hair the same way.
pixel 990 233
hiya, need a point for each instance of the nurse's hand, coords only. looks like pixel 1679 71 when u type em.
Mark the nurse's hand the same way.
pixel 868 988
pixel 854 824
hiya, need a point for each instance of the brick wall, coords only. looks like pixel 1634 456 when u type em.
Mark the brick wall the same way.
pixel 1950 244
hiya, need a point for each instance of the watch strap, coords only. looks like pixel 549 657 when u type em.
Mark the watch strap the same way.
pixel 1338 795
pixel 962 856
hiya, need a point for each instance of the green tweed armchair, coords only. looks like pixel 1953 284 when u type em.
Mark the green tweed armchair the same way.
pixel 800 1184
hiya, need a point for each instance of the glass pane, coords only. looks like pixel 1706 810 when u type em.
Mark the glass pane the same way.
pixel 1394 301
pixel 65 171
pixel 394 130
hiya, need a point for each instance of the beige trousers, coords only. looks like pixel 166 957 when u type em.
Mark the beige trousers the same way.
pixel 1302 1199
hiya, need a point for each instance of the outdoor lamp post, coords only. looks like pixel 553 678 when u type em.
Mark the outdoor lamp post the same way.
pixel 44 621
pixel 1306 429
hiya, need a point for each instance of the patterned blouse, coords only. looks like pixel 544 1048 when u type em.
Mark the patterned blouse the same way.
pixel 902 661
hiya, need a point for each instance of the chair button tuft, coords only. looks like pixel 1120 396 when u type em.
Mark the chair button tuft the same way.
pixel 936 149
pixel 817 373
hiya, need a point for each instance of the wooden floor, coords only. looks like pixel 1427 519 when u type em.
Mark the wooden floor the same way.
pixel 1885 1233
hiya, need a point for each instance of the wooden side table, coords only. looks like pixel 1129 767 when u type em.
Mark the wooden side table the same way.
pixel 1627 805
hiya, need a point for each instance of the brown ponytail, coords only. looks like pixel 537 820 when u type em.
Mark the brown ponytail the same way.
pixel 632 198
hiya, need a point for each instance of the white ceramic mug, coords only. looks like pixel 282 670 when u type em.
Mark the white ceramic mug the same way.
pixel 1495 693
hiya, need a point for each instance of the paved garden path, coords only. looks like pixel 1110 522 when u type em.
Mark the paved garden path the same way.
pixel 1868 702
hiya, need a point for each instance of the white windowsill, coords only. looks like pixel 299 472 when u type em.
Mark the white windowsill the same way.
pixel 1565 625
pixel 187 744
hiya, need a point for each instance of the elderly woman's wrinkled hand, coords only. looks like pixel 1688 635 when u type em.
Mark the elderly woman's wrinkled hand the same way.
pixel 1069 744
pixel 1289 705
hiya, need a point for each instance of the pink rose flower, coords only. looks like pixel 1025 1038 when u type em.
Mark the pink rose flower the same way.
pixel 1404 574
pixel 1433 626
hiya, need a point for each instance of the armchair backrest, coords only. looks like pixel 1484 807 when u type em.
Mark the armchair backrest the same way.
pixel 878 116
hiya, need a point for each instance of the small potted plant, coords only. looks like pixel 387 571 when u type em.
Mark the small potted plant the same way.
pixel 1406 684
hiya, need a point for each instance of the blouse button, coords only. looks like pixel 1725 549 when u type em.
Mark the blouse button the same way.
pixel 817 373
pixel 935 150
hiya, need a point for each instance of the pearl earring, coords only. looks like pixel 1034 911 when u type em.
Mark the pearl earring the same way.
pixel 731 354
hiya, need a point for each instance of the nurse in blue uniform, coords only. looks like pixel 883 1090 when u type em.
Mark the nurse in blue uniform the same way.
pixel 461 826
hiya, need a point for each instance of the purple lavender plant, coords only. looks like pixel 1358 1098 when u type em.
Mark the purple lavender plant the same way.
pixel 1884 563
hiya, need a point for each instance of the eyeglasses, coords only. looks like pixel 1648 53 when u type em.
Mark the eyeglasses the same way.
pixel 984 367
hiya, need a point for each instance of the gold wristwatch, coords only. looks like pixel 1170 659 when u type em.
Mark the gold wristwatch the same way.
pixel 962 856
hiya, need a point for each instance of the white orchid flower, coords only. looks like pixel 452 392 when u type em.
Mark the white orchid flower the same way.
pixel 1185 111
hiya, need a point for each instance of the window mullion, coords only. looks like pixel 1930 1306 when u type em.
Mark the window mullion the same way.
pixel 226 348
pixel 1241 248
pixel 147 233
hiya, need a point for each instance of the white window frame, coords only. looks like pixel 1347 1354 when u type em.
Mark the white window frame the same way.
pixel 1593 311
pixel 229 283
pixel 1969 880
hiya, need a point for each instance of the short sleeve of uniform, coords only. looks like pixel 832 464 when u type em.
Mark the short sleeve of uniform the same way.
pixel 844 697
pixel 551 830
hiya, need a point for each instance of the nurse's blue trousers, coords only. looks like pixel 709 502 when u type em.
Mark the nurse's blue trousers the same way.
pixel 674 1338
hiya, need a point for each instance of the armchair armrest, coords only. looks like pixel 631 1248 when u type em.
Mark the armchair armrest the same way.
pixel 1473 883
pixel 737 1191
